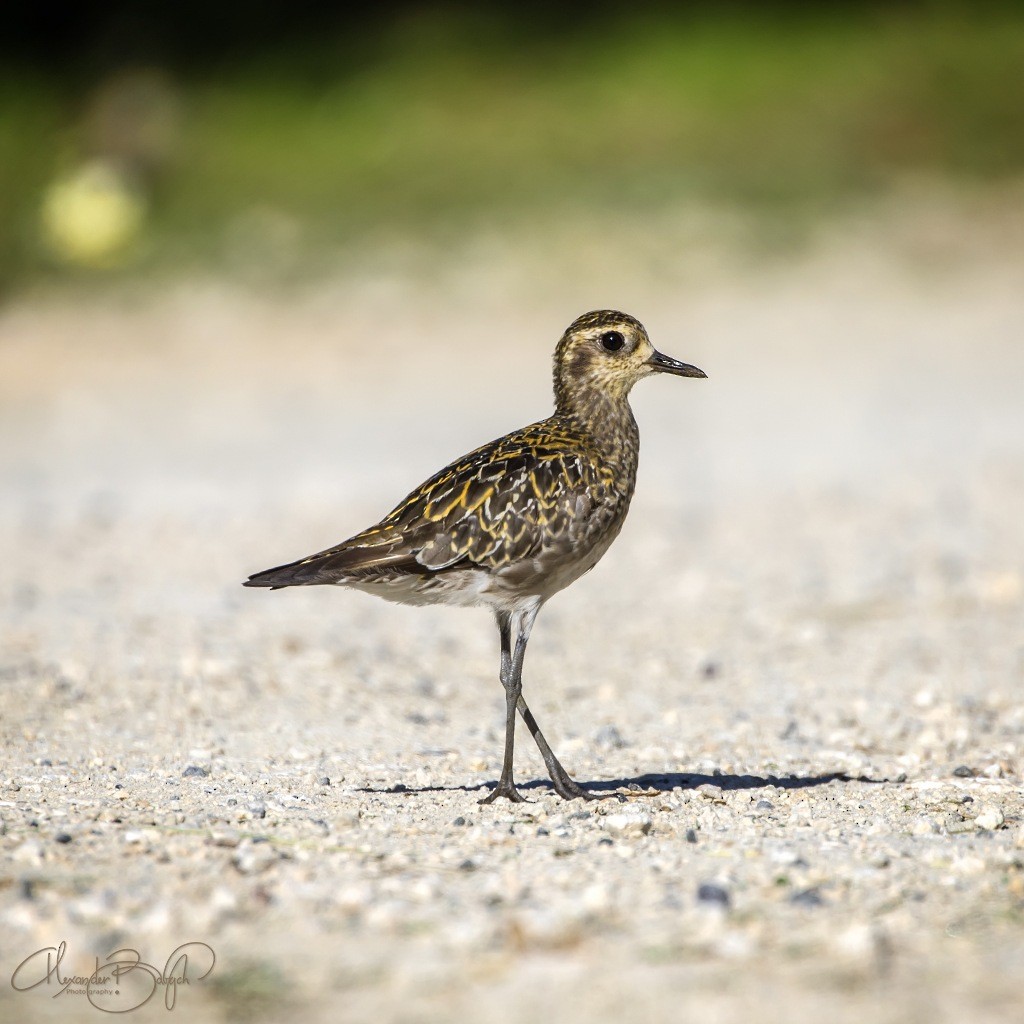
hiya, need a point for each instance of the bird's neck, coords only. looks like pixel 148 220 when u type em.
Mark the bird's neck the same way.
pixel 606 420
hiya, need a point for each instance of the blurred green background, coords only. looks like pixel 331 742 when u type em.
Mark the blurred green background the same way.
pixel 149 139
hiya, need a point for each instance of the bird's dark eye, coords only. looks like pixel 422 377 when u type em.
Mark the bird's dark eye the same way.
pixel 612 340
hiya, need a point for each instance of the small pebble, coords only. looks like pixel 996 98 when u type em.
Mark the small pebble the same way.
pixel 193 771
pixel 989 817
pixel 251 858
pixel 609 738
pixel 460 820
pixel 633 822
pixel 29 851
pixel 324 780
pixel 712 894
pixel 963 772
pixel 807 898
pixel 63 837
pixel 691 835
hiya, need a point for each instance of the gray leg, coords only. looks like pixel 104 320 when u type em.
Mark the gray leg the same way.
pixel 564 785
pixel 512 680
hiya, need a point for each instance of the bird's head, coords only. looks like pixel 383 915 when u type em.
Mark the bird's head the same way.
pixel 605 353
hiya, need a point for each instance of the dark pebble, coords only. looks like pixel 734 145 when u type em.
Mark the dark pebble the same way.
pixel 964 772
pixel 807 898
pixel 193 771
pixel 691 835
pixel 467 865
pixel 460 820
pixel 709 670
pixel 324 780
pixel 709 893
pixel 63 837
pixel 764 805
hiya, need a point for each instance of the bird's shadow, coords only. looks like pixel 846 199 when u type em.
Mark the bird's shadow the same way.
pixel 660 782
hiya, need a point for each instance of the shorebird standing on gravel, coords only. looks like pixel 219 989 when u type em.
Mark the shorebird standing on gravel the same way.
pixel 517 520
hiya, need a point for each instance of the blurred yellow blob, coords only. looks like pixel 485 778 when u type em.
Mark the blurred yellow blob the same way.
pixel 92 216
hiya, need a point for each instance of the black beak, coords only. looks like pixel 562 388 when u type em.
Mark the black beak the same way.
pixel 666 364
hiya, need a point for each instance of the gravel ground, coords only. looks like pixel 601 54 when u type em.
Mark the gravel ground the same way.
pixel 795 679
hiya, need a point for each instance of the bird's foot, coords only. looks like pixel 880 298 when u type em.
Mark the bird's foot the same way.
pixel 507 789
pixel 567 789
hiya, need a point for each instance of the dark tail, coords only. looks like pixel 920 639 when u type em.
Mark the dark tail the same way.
pixel 290 575
pixel 337 565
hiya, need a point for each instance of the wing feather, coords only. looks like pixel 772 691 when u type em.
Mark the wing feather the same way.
pixel 505 502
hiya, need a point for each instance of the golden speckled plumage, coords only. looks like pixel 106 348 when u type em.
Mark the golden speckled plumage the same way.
pixel 513 509
pixel 520 518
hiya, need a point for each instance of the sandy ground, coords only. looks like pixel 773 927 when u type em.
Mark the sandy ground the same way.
pixel 796 677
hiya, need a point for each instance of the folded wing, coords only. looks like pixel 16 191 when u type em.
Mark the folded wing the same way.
pixel 524 495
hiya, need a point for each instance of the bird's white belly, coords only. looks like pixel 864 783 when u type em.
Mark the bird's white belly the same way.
pixel 537 577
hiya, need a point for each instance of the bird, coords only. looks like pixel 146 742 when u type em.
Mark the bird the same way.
pixel 516 520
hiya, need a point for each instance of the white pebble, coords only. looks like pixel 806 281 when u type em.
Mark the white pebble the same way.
pixel 989 817
pixel 628 823
pixel 29 852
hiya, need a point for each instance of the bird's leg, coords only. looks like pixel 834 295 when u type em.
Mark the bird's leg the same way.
pixel 512 680
pixel 565 787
